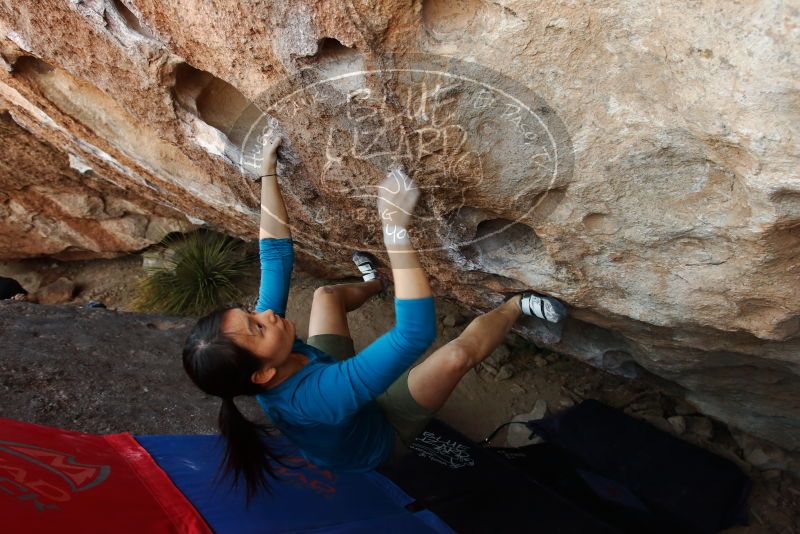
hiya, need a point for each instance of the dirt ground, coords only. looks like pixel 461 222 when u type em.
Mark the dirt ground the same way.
pixel 516 376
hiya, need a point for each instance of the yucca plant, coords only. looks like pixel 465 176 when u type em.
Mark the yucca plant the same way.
pixel 204 272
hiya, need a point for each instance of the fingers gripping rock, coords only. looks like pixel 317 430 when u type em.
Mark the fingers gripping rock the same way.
pixel 397 196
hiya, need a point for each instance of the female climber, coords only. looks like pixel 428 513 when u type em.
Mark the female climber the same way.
pixel 344 411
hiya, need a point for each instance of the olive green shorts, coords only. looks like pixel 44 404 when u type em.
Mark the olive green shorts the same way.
pixel 405 415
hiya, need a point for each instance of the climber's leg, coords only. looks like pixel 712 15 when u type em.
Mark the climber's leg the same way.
pixel 332 302
pixel 432 381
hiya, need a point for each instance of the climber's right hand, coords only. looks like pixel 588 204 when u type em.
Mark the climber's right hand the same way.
pixel 397 197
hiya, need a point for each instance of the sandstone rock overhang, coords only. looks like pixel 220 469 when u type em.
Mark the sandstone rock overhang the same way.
pixel 674 237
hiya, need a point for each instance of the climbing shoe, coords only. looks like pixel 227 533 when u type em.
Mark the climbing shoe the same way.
pixel 367 265
pixel 543 307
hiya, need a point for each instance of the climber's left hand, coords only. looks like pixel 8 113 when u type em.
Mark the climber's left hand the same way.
pixel 270 143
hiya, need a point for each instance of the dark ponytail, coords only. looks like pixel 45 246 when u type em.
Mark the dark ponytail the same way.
pixel 220 367
pixel 246 452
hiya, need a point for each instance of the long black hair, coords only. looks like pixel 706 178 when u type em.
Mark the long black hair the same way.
pixel 220 367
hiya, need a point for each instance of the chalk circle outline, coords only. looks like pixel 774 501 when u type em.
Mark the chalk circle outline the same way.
pixel 555 129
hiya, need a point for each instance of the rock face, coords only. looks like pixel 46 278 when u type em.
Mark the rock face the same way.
pixel 637 161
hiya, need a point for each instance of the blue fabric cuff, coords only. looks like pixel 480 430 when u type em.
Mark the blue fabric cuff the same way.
pixel 416 314
pixel 274 247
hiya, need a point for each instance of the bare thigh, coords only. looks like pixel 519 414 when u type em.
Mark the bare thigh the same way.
pixel 328 313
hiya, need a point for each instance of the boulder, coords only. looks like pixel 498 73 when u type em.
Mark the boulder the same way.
pixel 518 434
pixel 636 161
pixel 499 357
pixel 58 292
pixel 678 424
pixel 505 372
pixel 702 427
pixel 452 319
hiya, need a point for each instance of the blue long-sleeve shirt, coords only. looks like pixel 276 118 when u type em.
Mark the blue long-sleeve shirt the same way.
pixel 328 407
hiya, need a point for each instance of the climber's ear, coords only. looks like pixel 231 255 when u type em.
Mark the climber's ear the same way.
pixel 263 375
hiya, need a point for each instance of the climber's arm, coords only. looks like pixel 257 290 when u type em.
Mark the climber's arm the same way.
pixel 275 239
pixel 277 260
pixel 274 219
pixel 397 197
pixel 340 390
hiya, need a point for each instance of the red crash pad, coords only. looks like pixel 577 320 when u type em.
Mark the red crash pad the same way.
pixel 56 480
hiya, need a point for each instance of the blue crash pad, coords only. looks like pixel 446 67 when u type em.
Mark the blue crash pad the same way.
pixel 304 499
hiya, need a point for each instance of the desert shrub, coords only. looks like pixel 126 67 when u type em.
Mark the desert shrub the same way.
pixel 197 273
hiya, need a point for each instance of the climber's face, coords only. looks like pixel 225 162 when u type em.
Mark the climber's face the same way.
pixel 267 335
